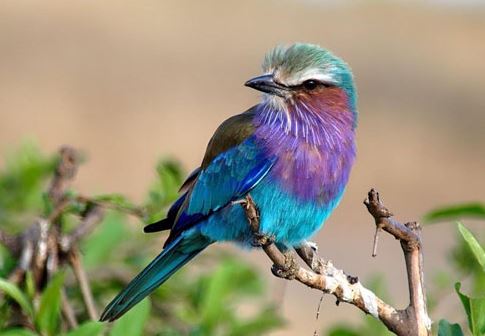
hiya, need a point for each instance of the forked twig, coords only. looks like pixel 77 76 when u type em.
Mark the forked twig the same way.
pixel 324 276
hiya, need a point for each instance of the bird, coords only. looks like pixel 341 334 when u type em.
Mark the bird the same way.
pixel 292 153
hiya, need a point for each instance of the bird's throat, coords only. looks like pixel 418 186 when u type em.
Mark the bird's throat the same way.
pixel 314 143
pixel 326 120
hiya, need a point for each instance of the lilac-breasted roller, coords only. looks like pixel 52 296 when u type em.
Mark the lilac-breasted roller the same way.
pixel 292 152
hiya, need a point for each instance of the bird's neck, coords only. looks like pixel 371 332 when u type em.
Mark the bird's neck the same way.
pixel 326 120
pixel 314 143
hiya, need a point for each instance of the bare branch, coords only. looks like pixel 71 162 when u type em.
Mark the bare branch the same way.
pixel 135 211
pixel 10 242
pixel 65 171
pixel 93 215
pixel 68 311
pixel 409 234
pixel 82 279
pixel 325 277
pixel 42 247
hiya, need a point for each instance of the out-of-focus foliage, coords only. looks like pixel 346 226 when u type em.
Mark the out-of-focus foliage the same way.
pixel 473 244
pixel 22 183
pixel 47 316
pixel 468 259
pixel 45 311
pixel 467 210
pixel 474 306
pixel 445 328
pixel 195 301
pixel 132 322
pixel 16 294
pixel 164 190
pixel 462 254
pixel 475 311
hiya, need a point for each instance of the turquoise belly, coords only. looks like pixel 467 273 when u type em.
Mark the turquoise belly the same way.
pixel 286 218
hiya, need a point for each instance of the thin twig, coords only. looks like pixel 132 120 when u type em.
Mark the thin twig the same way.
pixel 376 240
pixel 317 315
pixel 135 211
pixel 9 241
pixel 82 279
pixel 43 248
pixel 41 251
pixel 68 311
pixel 93 216
pixel 65 171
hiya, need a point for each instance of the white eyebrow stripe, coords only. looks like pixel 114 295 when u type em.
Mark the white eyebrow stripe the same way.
pixel 312 74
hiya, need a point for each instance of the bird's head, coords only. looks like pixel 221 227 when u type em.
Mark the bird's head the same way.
pixel 305 74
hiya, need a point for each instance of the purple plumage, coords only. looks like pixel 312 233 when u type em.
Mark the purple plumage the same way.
pixel 292 152
pixel 314 140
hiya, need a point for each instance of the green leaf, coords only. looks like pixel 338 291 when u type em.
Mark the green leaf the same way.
pixel 15 293
pixel 132 323
pixel 29 284
pixel 22 182
pixel 477 250
pixel 475 311
pixel 467 210
pixel 47 318
pixel 164 190
pixel 90 328
pixel 265 321
pixel 445 328
pixel 7 261
pixel 18 332
pixel 228 279
pixel 100 245
pixel 343 331
pixel 119 201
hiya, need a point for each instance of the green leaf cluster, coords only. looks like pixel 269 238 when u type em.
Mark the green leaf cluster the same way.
pixel 22 181
pixel 45 314
pixel 469 258
pixel 195 301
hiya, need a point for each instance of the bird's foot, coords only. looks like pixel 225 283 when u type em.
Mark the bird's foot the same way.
pixel 308 252
pixel 313 246
pixel 252 214
pixel 318 265
pixel 261 240
pixel 288 270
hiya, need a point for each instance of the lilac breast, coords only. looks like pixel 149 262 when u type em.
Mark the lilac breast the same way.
pixel 315 152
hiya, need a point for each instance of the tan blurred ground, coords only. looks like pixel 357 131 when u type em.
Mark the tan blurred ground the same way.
pixel 132 82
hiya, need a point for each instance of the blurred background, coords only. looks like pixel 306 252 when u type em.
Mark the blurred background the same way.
pixel 131 82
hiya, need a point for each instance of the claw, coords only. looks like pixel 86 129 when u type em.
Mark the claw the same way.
pixel 308 252
pixel 313 246
pixel 260 239
pixel 288 270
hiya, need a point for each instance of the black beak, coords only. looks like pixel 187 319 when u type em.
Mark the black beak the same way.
pixel 266 83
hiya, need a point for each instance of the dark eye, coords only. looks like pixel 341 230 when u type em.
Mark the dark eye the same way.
pixel 310 84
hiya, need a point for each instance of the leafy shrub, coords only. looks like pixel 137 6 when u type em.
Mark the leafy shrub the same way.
pixel 193 302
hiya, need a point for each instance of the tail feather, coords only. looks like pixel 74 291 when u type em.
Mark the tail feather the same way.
pixel 161 225
pixel 157 272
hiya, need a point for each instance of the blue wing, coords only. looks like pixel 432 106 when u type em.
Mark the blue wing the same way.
pixel 230 176
pixel 233 164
